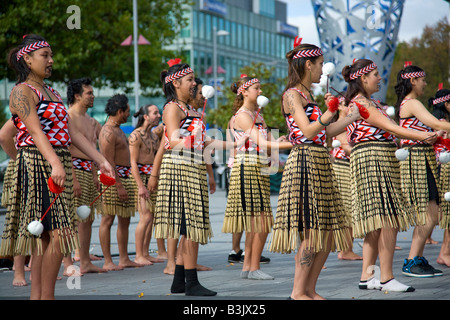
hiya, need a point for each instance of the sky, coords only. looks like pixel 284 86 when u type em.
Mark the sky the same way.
pixel 416 15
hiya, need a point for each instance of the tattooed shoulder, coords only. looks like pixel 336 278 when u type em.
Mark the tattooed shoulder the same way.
pixel 20 103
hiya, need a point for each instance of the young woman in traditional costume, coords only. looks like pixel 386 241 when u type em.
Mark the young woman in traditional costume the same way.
pixel 248 205
pixel 340 154
pixel 379 208
pixel 419 172
pixel 309 215
pixel 182 207
pixel 44 134
pixel 440 104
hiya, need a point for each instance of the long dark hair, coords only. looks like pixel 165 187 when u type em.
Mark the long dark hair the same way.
pixel 439 110
pixel 140 115
pixel 403 87
pixel 19 66
pixel 355 85
pixel 168 88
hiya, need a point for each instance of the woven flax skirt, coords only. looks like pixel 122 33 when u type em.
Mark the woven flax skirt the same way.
pixel 89 193
pixel 341 169
pixel 182 205
pixel 248 204
pixel 377 198
pixel 444 182
pixel 419 179
pixel 31 198
pixel 8 183
pixel 309 204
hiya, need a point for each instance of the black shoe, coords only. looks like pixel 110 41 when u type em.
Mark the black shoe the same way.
pixel 234 257
pixel 263 259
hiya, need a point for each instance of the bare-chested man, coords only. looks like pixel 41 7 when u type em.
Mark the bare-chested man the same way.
pixel 80 97
pixel 118 200
pixel 144 143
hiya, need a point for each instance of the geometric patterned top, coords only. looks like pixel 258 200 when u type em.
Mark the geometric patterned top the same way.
pixel 53 118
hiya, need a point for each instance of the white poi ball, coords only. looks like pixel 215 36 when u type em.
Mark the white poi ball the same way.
pixel 328 69
pixel 401 154
pixel 323 81
pixel 336 144
pixel 208 91
pixel 444 157
pixel 390 111
pixel 262 101
pixel 83 212
pixel 447 196
pixel 35 228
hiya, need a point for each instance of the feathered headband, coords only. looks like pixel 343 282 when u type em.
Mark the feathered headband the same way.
pixel 246 84
pixel 178 74
pixel 308 53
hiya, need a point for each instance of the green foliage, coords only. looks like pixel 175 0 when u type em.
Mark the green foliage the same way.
pixel 271 88
pixel 94 50
pixel 429 52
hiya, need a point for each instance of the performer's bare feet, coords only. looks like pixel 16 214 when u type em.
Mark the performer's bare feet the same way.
pixel 127 263
pixel 431 241
pixel 162 256
pixel 203 268
pixel 19 281
pixel 143 261
pixel 91 268
pixel 443 259
pixel 348 255
pixel 170 268
pixel 71 271
pixel 111 267
pixel 154 260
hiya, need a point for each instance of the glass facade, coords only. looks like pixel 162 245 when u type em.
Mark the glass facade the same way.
pixel 257 32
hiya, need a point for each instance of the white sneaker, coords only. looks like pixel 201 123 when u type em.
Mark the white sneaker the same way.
pixel 395 286
pixel 371 284
pixel 259 275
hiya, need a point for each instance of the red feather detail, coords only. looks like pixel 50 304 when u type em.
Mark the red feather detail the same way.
pixel 106 180
pixel 243 75
pixel 189 142
pixel 354 60
pixel 407 64
pixel 297 41
pixel 173 62
pixel 333 104
pixel 440 86
pixel 444 142
pixel 362 110
pixel 53 187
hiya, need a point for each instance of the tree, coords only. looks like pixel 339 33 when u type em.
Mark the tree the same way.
pixel 94 48
pixel 429 52
pixel 271 88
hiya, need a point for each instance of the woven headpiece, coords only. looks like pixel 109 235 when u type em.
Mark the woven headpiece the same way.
pixel 441 99
pixel 412 75
pixel 32 47
pixel 246 84
pixel 362 71
pixel 179 74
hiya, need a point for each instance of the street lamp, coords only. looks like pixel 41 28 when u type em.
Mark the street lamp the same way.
pixel 215 35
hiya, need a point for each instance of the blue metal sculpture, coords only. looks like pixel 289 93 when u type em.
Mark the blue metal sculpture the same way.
pixel 350 29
